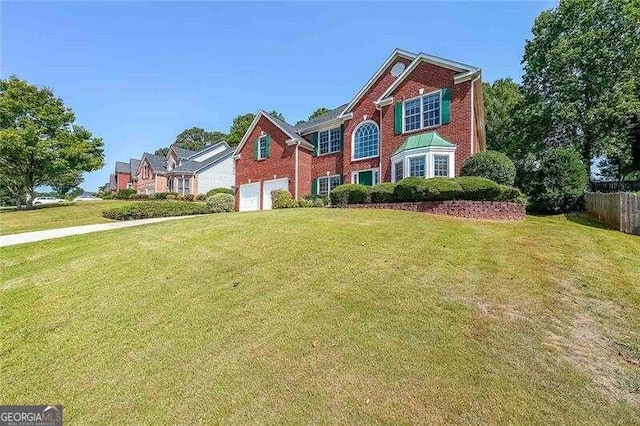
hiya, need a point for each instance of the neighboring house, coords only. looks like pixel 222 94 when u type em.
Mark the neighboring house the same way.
pixel 113 186
pixel 187 172
pixel 126 174
pixel 418 115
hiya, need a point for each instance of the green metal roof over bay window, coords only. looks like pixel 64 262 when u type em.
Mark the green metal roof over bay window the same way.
pixel 424 140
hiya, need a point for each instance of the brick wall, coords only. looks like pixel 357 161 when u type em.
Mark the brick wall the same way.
pixel 122 179
pixel 492 210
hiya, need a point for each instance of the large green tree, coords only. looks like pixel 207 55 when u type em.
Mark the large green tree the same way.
pixel 238 128
pixel 39 142
pixel 502 98
pixel 66 182
pixel 194 139
pixel 318 112
pixel 580 81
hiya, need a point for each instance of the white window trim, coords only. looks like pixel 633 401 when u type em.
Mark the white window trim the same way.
pixel 404 123
pixel 427 168
pixel 265 137
pixel 430 154
pixel 376 175
pixel 353 141
pixel 433 163
pixel 339 128
pixel 328 178
pixel 183 188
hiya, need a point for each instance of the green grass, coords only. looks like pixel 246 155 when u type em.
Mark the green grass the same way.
pixel 55 216
pixel 325 316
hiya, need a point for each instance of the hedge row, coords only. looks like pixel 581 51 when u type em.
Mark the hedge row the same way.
pixel 281 199
pixel 420 189
pixel 149 209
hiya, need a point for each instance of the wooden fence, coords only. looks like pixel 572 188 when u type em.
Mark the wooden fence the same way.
pixel 620 210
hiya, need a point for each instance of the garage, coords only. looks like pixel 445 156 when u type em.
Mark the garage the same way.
pixel 250 197
pixel 272 185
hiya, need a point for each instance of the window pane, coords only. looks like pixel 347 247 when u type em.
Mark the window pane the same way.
pixel 412 115
pixel 399 171
pixel 333 182
pixel 417 166
pixel 335 139
pixel 263 147
pixel 323 142
pixel 431 110
pixel 323 185
pixel 365 141
pixel 441 165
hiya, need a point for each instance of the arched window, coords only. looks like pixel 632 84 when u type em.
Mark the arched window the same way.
pixel 366 140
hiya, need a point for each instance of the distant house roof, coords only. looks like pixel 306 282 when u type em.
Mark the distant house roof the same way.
pixel 156 162
pixel 181 152
pixel 424 140
pixel 191 166
pixel 112 181
pixel 122 167
pixel 320 120
pixel 134 163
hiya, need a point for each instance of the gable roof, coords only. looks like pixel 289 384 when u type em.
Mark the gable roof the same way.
pixel 181 152
pixel 134 163
pixel 209 148
pixel 192 166
pixel 424 140
pixel 112 181
pixel 309 125
pixel 287 128
pixel 122 167
pixel 463 70
pixel 397 53
pixel 156 162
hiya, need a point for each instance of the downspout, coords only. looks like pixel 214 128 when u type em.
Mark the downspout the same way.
pixel 473 112
pixel 296 174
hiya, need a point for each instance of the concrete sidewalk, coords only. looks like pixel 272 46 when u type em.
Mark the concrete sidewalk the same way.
pixel 30 237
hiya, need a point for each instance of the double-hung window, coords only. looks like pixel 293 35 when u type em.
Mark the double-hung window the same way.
pixel 422 112
pixel 417 166
pixel 329 141
pixel 441 165
pixel 399 170
pixel 263 149
pixel 327 183
pixel 183 186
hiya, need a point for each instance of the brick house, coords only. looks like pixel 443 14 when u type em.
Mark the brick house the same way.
pixel 418 115
pixel 187 172
pixel 125 175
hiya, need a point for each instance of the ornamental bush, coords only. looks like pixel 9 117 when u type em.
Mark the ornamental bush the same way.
pixel 219 203
pixel 219 191
pixel 383 192
pixel 160 195
pixel 350 193
pixel 492 165
pixel 171 197
pixel 479 189
pixel 201 197
pixel 189 197
pixel 124 194
pixel 139 197
pixel 558 183
pixel 281 199
pixel 149 209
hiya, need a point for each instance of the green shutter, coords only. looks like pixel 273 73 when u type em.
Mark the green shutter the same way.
pixel 268 146
pixel 445 109
pixel 256 146
pixel 397 118
pixel 314 186
pixel 341 137
pixel 314 141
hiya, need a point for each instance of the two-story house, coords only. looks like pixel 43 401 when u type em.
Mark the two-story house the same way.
pixel 187 172
pixel 126 175
pixel 418 115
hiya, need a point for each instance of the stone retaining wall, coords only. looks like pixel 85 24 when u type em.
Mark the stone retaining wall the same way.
pixel 493 210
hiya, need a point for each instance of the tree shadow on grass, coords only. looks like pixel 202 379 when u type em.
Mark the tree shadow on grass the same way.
pixel 583 219
pixel 39 207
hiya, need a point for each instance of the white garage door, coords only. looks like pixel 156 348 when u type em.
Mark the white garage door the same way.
pixel 272 185
pixel 249 197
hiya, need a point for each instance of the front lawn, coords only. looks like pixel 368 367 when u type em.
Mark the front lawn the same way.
pixel 327 316
pixel 55 216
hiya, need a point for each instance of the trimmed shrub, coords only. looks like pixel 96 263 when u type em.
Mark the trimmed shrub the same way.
pixel 479 189
pixel 149 209
pixel 350 193
pixel 320 202
pixel 383 192
pixel 219 191
pixel 434 189
pixel 306 203
pixel 201 197
pixel 160 195
pixel 409 189
pixel 171 197
pixel 175 194
pixel 513 195
pixel 281 199
pixel 124 194
pixel 139 197
pixel 492 165
pixel 558 184
pixel 219 203
pixel 189 197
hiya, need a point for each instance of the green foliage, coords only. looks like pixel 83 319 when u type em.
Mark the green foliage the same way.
pixel 150 209
pixel 318 112
pixel 140 197
pixel 383 192
pixel 491 165
pixel 581 84
pixel 201 197
pixel 238 128
pixel 160 195
pixel 461 188
pixel 73 193
pixel 558 183
pixel 220 203
pixel 194 139
pixel 66 182
pixel 172 196
pixel 281 199
pixel 277 115
pixel 350 193
pixel 478 188
pixel 124 194
pixel 39 142
pixel 219 191
pixel 189 197
pixel 501 102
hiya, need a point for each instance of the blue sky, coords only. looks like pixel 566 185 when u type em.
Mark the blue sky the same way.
pixel 138 73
